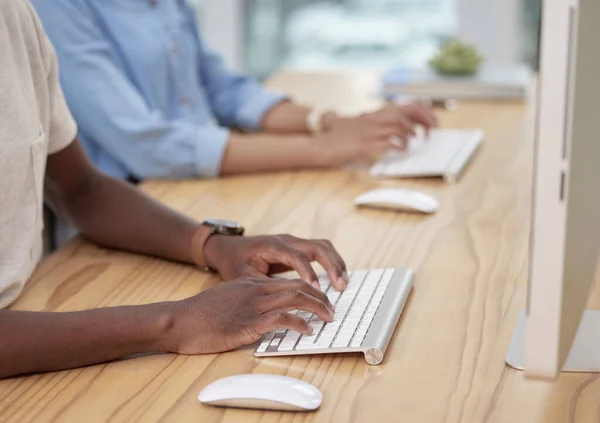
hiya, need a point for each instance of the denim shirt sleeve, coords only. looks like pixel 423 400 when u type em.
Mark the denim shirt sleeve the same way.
pixel 236 99
pixel 108 106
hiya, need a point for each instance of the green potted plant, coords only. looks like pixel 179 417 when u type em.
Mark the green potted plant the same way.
pixel 456 58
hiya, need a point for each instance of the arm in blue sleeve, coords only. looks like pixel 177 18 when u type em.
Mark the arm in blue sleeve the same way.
pixel 236 99
pixel 109 108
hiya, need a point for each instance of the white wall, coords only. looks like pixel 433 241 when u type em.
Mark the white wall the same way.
pixel 494 26
pixel 222 28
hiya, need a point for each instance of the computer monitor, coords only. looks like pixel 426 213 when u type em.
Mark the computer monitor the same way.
pixel 556 332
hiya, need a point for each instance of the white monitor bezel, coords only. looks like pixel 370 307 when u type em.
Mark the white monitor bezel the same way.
pixel 550 187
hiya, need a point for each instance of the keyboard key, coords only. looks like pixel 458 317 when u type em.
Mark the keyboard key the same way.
pixel 333 296
pixel 357 278
pixel 343 339
pixel 387 276
pixel 344 302
pixel 265 342
pixel 328 334
pixel 325 283
pixel 306 315
pixel 289 342
pixel 307 343
pixel 380 292
pixel 316 325
pixel 359 337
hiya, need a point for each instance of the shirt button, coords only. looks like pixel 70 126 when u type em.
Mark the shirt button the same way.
pixel 176 50
pixel 184 100
pixel 153 3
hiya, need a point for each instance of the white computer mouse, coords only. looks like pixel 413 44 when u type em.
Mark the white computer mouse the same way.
pixel 398 199
pixel 264 392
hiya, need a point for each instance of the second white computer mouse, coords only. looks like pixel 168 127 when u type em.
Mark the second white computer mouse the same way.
pixel 398 199
pixel 264 392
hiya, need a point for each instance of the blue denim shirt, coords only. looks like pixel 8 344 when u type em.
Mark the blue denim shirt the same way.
pixel 150 98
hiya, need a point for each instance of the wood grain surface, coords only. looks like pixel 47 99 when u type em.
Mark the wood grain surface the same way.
pixel 446 360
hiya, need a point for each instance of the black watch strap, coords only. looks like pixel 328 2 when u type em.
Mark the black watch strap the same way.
pixel 224 227
pixel 215 227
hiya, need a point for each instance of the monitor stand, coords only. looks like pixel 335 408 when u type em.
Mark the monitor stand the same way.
pixel 585 352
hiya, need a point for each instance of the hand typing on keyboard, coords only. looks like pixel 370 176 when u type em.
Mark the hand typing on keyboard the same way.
pixel 366 137
pixel 445 153
pixel 240 312
pixel 259 256
pixel 355 311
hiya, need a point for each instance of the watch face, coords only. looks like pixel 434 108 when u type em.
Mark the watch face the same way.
pixel 223 223
pixel 224 227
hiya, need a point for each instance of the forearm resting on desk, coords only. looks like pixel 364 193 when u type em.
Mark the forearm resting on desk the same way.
pixel 219 319
pixel 117 215
pixel 247 153
pixel 286 117
pixel 33 342
pixel 264 152
pixel 113 213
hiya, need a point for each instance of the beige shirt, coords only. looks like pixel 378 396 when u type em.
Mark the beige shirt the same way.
pixel 34 122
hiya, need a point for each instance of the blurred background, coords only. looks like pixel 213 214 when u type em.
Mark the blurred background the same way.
pixel 262 36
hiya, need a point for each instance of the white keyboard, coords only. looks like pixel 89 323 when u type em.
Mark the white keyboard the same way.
pixel 445 154
pixel 366 314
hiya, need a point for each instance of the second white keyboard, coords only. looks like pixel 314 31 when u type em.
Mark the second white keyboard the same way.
pixel 366 313
pixel 445 153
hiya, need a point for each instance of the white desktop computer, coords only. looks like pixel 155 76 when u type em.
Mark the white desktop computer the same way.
pixel 556 332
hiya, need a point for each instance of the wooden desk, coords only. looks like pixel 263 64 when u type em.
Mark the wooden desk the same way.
pixel 446 360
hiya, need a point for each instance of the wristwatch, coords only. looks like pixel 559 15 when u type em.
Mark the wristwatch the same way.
pixel 224 227
pixel 216 227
